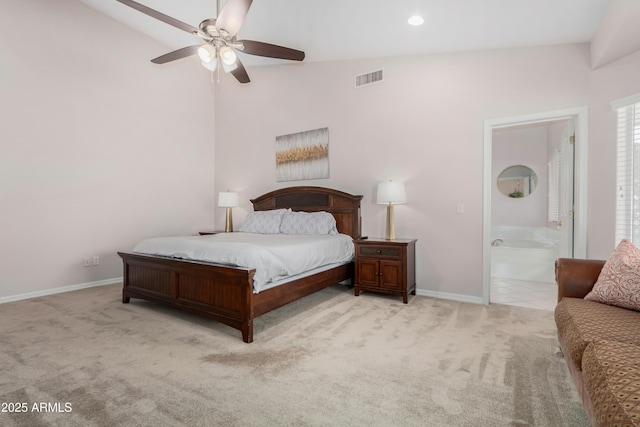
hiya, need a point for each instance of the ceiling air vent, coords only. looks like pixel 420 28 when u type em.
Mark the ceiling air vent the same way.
pixel 372 77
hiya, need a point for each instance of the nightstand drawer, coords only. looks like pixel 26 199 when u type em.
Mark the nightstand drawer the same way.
pixel 386 251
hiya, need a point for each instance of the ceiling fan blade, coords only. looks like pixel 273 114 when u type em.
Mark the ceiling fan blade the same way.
pixel 176 54
pixel 271 50
pixel 232 16
pixel 240 73
pixel 160 16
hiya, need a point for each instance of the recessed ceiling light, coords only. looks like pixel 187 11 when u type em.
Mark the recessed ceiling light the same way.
pixel 416 20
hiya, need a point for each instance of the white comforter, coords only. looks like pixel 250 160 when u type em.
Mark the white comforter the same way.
pixel 274 256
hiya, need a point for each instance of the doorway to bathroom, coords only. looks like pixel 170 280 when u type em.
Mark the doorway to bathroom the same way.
pixel 534 204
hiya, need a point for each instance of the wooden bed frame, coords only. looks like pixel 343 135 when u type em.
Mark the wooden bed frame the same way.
pixel 225 293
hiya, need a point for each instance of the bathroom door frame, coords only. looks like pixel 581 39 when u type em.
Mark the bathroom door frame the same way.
pixel 580 118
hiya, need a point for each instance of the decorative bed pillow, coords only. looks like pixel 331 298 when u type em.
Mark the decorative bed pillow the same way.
pixel 619 280
pixel 308 223
pixel 263 222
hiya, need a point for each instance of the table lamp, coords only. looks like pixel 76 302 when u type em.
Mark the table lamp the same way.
pixel 228 199
pixel 391 193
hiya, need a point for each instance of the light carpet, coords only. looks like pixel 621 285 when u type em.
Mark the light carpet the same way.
pixel 331 359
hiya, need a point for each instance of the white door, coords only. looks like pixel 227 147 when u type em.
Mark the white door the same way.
pixel 566 200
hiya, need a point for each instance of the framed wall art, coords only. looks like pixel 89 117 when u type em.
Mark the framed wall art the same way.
pixel 302 155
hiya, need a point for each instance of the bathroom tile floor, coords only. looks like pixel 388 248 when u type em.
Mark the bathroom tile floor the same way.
pixel 523 293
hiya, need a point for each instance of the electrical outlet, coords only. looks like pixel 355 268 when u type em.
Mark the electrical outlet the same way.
pixel 96 260
pixel 87 262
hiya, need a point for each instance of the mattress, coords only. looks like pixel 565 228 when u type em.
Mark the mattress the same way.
pixel 275 257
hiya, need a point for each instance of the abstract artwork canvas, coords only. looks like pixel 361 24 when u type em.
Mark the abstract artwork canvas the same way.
pixel 302 155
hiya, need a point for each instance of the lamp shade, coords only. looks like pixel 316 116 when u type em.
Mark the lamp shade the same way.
pixel 229 68
pixel 207 53
pixel 227 55
pixel 228 199
pixel 211 66
pixel 391 192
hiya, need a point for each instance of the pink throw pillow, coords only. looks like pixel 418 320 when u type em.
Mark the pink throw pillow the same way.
pixel 619 280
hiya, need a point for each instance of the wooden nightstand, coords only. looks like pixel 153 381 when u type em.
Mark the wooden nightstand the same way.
pixel 386 266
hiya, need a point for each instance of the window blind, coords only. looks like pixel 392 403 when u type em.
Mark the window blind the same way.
pixel 628 173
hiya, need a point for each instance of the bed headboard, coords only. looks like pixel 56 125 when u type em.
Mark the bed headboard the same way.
pixel 344 207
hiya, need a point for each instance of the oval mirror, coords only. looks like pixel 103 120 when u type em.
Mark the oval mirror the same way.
pixel 517 181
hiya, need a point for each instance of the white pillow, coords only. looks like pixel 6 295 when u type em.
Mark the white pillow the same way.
pixel 263 222
pixel 308 223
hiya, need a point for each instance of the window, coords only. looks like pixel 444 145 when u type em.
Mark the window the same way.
pixel 628 170
pixel 553 190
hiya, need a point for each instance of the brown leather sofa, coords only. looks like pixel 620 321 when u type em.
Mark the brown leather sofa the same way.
pixel 601 345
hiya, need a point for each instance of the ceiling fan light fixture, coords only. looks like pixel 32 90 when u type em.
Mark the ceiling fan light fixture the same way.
pixel 229 67
pixel 416 20
pixel 211 66
pixel 219 44
pixel 227 55
pixel 207 53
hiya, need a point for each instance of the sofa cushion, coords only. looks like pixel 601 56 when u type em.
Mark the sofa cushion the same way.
pixel 619 281
pixel 581 322
pixel 612 377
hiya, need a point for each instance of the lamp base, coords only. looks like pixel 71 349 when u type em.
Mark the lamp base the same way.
pixel 391 228
pixel 228 225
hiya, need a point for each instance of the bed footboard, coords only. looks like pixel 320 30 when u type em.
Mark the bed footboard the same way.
pixel 222 293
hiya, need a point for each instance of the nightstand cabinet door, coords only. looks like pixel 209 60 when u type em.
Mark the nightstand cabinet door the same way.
pixel 385 266
pixel 391 274
pixel 368 272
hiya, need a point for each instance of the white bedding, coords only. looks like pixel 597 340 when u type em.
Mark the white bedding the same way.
pixel 274 256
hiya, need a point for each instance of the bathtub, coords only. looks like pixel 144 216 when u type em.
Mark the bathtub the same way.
pixel 524 253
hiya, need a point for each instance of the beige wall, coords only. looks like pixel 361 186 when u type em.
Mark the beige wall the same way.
pixel 523 145
pixel 423 124
pixel 98 147
pixel 609 83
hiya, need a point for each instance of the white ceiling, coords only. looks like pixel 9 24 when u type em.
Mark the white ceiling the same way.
pixel 344 29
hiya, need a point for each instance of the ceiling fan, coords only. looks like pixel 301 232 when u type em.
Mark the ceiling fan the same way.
pixel 219 36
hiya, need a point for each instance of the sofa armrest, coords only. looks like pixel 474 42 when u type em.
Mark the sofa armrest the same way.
pixel 576 277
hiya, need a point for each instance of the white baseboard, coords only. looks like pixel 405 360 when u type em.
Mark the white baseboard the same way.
pixel 421 292
pixel 446 295
pixel 60 290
